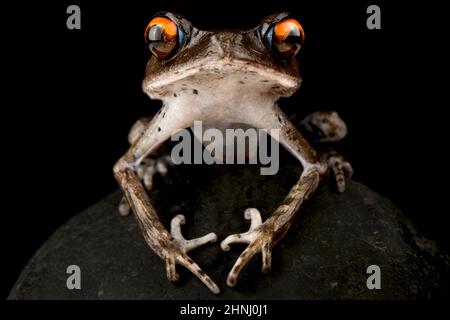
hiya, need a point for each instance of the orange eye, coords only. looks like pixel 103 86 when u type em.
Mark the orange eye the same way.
pixel 163 37
pixel 285 38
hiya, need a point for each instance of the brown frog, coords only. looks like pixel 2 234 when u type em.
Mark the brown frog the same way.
pixel 223 78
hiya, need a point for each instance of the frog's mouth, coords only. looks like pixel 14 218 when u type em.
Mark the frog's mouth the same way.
pixel 238 75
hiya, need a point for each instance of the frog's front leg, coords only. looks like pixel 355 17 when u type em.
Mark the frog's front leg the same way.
pixel 261 237
pixel 149 167
pixel 171 247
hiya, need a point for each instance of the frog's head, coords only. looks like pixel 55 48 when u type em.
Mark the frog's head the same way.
pixel 260 61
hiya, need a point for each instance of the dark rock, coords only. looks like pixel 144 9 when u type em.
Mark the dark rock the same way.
pixel 324 255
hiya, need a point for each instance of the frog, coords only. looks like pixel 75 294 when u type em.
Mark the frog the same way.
pixel 223 78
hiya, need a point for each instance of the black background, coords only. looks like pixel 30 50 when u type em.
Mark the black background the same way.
pixel 76 93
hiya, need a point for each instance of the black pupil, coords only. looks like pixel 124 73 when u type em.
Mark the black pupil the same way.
pixel 291 44
pixel 294 37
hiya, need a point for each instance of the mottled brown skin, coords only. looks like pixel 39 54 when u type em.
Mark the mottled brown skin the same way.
pixel 221 78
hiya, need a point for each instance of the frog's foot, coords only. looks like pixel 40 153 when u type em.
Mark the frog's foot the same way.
pixel 187 245
pixel 146 171
pixel 177 253
pixel 341 169
pixel 259 239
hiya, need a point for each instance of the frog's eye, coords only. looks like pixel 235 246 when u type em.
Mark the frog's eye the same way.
pixel 163 37
pixel 285 38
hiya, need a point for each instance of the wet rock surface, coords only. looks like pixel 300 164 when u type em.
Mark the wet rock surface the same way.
pixel 324 256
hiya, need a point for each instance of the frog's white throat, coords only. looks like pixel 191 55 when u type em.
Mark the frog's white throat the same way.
pixel 228 77
pixel 223 91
